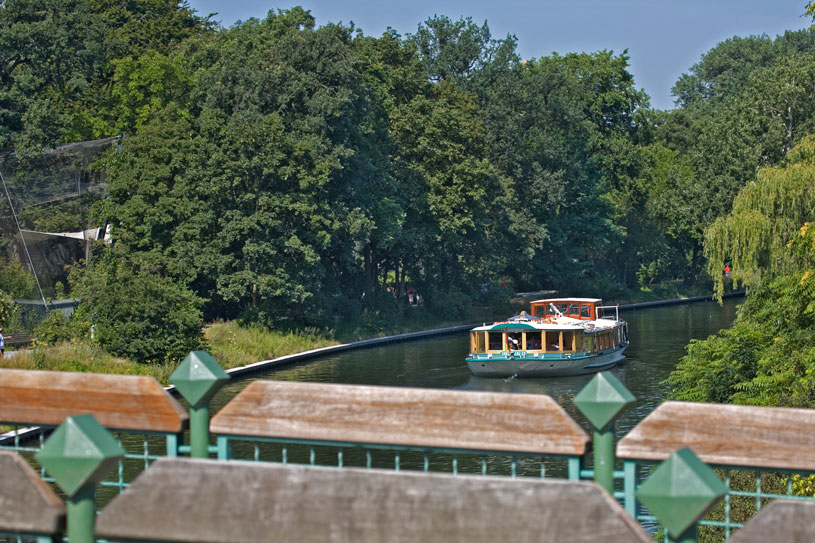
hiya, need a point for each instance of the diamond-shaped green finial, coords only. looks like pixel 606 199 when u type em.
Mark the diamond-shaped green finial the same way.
pixel 681 491
pixel 80 451
pixel 198 377
pixel 603 399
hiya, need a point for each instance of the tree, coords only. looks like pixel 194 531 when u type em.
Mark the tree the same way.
pixel 263 195
pixel 58 58
pixel 673 203
pixel 458 198
pixel 16 280
pixel 135 309
pixel 768 356
pixel 724 70
pixel 765 216
pixel 6 308
pixel 460 51
pixel 785 92
pixel 564 129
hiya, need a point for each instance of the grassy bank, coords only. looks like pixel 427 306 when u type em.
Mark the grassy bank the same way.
pixel 80 357
pixel 229 344
pixel 232 345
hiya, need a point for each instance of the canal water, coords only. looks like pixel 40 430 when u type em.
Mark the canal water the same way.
pixel 658 339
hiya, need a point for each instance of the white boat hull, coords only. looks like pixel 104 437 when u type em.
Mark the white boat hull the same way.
pixel 523 366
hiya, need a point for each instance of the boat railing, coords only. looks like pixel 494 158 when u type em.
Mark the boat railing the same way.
pixel 610 312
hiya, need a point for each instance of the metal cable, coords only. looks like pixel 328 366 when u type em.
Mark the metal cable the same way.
pixel 25 245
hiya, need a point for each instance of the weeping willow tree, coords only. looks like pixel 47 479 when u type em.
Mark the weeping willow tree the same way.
pixel 766 214
pixel 768 356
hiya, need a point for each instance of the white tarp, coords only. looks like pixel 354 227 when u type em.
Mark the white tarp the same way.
pixel 90 234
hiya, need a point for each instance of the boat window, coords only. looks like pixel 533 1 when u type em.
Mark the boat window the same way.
pixel 514 341
pixel 478 343
pixel 533 341
pixel 604 341
pixel 585 311
pixel 578 341
pixel 589 340
pixel 538 310
pixel 562 307
pixel 574 310
pixel 552 341
pixel 568 341
pixel 496 341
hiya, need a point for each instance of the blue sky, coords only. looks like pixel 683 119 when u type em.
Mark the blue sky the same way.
pixel 663 38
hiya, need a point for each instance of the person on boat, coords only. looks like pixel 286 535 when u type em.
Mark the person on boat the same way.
pixel 512 343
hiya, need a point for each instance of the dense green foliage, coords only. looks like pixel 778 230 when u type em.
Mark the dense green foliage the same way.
pixel 58 58
pixel 135 310
pixel 291 174
pixel 768 356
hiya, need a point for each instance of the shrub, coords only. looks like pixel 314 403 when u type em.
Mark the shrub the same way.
pixel 135 310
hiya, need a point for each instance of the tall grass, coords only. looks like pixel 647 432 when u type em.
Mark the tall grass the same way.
pixel 82 357
pixel 232 346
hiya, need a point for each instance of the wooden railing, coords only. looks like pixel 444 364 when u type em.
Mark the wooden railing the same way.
pixel 729 437
pixel 451 421
pixel 404 418
pixel 118 402
pixel 782 522
pixel 212 501
pixel 28 506
pixel 726 435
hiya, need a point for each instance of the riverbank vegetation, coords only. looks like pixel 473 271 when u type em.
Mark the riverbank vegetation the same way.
pixel 293 177
pixel 768 356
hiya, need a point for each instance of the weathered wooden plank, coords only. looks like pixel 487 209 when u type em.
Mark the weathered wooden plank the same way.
pixel 120 402
pixel 454 419
pixel 782 520
pixel 27 504
pixel 731 435
pixel 212 501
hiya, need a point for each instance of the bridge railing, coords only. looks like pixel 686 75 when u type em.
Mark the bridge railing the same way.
pixel 201 500
pixel 31 510
pixel 756 450
pixel 211 501
pixel 429 430
pixel 145 418
pixel 400 428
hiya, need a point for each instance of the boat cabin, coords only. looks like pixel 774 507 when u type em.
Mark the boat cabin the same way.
pixel 550 341
pixel 584 309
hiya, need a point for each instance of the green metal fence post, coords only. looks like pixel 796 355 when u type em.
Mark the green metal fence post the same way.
pixel 198 378
pixel 603 441
pixel 602 400
pixel 680 492
pixel 630 481
pixel 78 455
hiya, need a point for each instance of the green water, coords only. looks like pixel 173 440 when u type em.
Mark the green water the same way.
pixel 658 339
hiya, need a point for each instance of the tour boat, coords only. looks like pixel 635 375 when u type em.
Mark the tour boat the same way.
pixel 561 336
